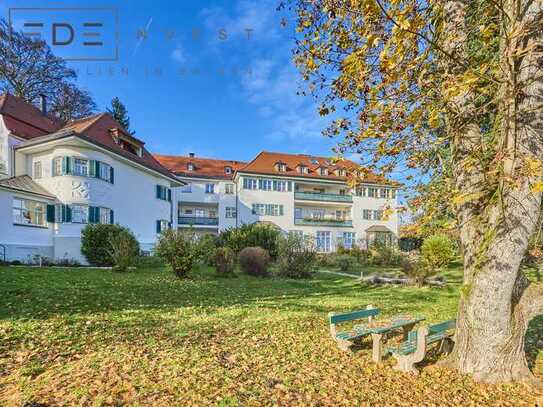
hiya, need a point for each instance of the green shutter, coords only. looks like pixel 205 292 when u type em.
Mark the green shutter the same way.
pixel 111 217
pixel 158 192
pixel 281 210
pixel 111 175
pixel 68 213
pixel 92 169
pixel 51 213
pixel 94 214
pixel 289 186
pixel 91 215
pixel 158 226
pixel 97 169
pixel 169 195
pixel 66 165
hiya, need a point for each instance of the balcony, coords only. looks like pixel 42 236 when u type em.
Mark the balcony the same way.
pixel 198 220
pixel 323 222
pixel 317 196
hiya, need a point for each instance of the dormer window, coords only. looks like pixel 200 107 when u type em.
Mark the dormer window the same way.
pixel 190 166
pixel 340 172
pixel 127 142
pixel 302 169
pixel 323 171
pixel 280 166
pixel 228 170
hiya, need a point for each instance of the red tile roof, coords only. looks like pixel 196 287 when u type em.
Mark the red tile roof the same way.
pixel 264 163
pixel 203 167
pixel 24 119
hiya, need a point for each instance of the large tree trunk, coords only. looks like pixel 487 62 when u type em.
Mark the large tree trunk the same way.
pixel 497 302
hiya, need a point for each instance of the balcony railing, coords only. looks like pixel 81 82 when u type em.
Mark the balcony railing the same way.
pixel 198 220
pixel 316 196
pixel 324 222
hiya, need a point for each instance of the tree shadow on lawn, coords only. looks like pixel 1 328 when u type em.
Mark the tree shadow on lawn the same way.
pixel 41 293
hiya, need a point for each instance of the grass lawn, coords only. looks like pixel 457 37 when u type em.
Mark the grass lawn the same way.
pixel 94 337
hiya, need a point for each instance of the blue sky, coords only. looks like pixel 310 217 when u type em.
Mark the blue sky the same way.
pixel 227 98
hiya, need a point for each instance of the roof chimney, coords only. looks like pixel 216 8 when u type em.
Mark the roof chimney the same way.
pixel 191 155
pixel 43 104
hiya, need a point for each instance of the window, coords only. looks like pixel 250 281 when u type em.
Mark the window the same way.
pixel 384 193
pixel 323 242
pixel 229 189
pixel 37 169
pixel 57 166
pixel 27 212
pixel 249 183
pixel 378 215
pixel 80 213
pixel 104 171
pixel 230 212
pixel 366 214
pixel 342 192
pixel 162 225
pixel 81 167
pixel 259 209
pixel 372 192
pixel 105 216
pixel 190 166
pixel 210 188
pixel 228 170
pixel 341 215
pixel 393 193
pixel 280 186
pixel 186 188
pixel 348 239
pixel 302 169
pixel 265 184
pixel 188 212
pixel 282 167
pixel 199 213
pixel 163 193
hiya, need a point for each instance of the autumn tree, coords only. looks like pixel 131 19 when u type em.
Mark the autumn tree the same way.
pixel 29 69
pixel 120 114
pixel 453 89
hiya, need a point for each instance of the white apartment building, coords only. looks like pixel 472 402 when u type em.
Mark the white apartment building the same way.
pixel 57 178
pixel 294 192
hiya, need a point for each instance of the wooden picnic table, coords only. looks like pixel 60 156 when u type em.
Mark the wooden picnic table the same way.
pixel 382 329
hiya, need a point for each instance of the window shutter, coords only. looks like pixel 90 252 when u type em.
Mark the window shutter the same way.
pixel 260 184
pixel 254 209
pixel 68 213
pixel 97 169
pixel 92 169
pixel 281 210
pixel 111 175
pixel 53 171
pixel 51 213
pixel 111 217
pixel 244 183
pixel 289 186
pixel 91 214
pixel 158 226
pixel 169 195
pixel 66 165
pixel 158 192
pixel 275 186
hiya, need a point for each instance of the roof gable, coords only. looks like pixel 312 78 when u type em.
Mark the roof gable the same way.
pixel 202 167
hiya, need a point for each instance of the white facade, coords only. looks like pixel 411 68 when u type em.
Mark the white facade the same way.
pixel 327 210
pixel 129 199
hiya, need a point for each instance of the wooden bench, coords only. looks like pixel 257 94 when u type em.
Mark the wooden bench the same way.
pixel 345 339
pixel 414 349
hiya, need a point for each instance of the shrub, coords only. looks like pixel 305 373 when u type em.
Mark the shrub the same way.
pixel 437 251
pixel 224 261
pixel 251 235
pixel 254 261
pixel 123 252
pixel 95 243
pixel 297 256
pixel 415 268
pixel 325 260
pixel 384 255
pixel 344 262
pixel 177 249
pixel 205 246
